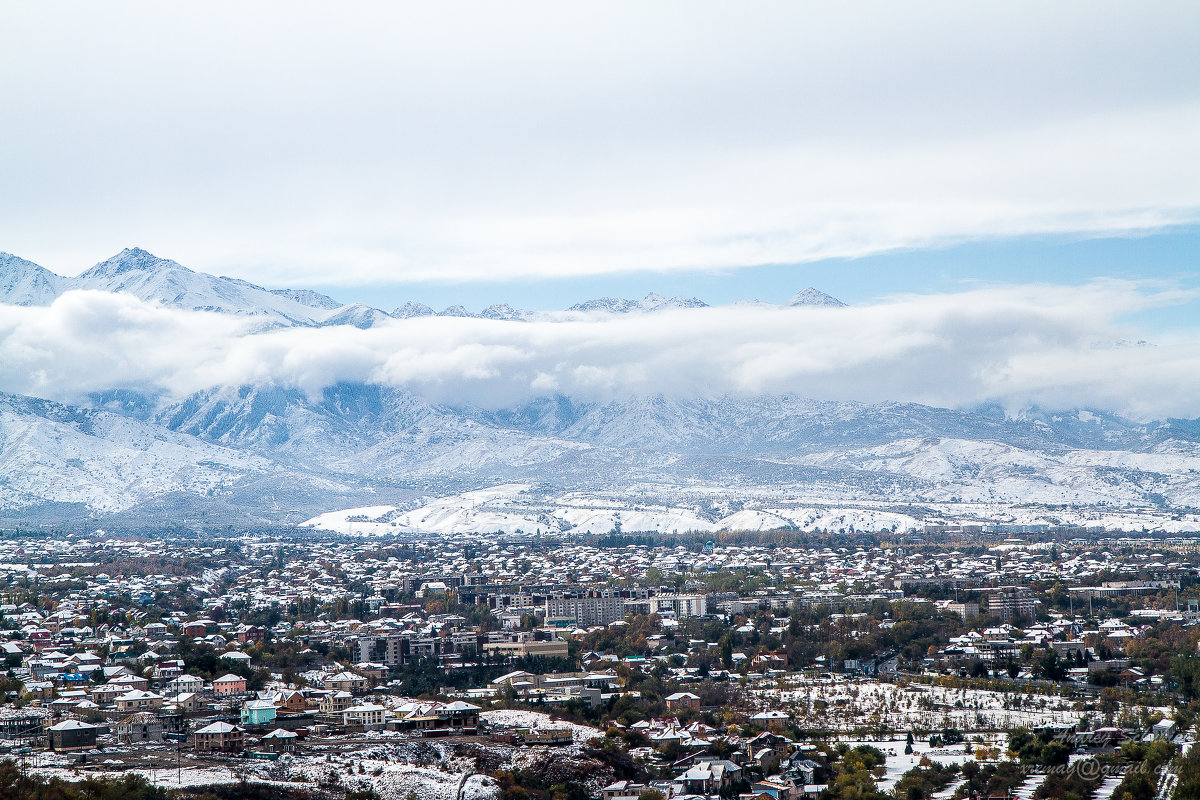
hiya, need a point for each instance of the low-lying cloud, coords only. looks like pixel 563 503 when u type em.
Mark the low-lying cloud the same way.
pixel 1051 346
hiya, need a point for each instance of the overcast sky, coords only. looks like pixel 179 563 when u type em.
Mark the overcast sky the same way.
pixel 390 143
pixel 1009 192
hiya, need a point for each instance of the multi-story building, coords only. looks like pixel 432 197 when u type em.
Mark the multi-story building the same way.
pixel 390 650
pixel 556 648
pixel 1010 602
pixel 594 607
pixel 680 605
pixel 964 610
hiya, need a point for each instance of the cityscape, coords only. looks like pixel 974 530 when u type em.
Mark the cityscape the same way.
pixel 776 663
pixel 600 401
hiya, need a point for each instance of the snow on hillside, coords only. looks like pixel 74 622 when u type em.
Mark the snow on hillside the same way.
pixel 307 297
pixel 53 453
pixel 383 777
pixel 510 509
pixel 844 706
pixel 145 275
pixel 357 314
pixel 23 283
pixel 814 297
pixel 651 302
pixel 516 508
pixel 536 720
pixel 148 277
pixel 411 310
pixel 787 461
pixel 991 471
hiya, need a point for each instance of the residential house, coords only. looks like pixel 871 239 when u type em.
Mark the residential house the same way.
pixel 105 694
pixel 198 628
pixel 290 701
pixel 710 777
pixel 258 712
pixel 623 790
pixel 250 634
pixel 683 700
pixel 136 700
pixel 336 702
pixel 229 684
pixel 219 737
pixel 346 682
pixel 367 717
pixel 131 681
pixel 71 734
pixel 184 683
pixel 140 727
pixel 279 741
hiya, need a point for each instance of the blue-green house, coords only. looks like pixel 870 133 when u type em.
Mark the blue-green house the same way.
pixel 258 712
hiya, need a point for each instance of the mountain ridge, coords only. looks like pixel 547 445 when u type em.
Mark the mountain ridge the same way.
pixel 267 450
pixel 242 447
pixel 155 279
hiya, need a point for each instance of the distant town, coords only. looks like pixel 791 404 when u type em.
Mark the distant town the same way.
pixel 762 666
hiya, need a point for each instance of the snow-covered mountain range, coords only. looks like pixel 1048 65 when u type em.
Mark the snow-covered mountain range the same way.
pixel 270 452
pixel 148 277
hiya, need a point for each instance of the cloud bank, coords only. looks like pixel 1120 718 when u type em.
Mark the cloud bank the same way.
pixel 1051 346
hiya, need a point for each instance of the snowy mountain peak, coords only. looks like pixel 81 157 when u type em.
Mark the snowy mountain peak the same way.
pixel 148 277
pixel 141 273
pixel 131 259
pixel 307 297
pixel 815 297
pixel 359 315
pixel 412 309
pixel 651 302
pixel 503 311
pixel 24 283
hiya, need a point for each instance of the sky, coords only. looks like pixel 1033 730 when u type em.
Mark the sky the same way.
pixel 918 155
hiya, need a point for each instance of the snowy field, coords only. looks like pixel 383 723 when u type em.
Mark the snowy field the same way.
pixel 511 718
pixel 512 508
pixel 509 509
pixel 389 763
pixel 848 706
pixel 897 762
pixel 387 770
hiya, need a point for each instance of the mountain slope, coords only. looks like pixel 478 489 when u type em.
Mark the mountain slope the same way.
pixel 51 453
pixel 813 297
pixel 783 424
pixel 98 462
pixel 23 283
pixel 307 297
pixel 146 276
pixel 378 433
pixel 356 314
pixel 160 280
pixel 651 302
pixel 269 450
